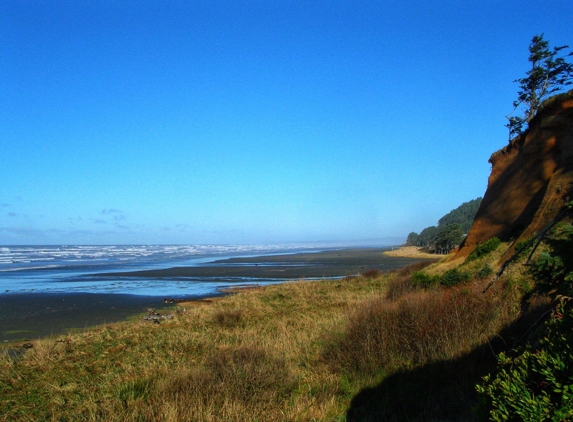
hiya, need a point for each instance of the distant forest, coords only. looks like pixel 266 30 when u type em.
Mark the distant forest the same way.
pixel 452 228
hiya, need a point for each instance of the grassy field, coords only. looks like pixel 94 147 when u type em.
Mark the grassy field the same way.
pixel 373 347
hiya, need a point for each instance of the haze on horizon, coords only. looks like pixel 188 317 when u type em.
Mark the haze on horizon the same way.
pixel 252 121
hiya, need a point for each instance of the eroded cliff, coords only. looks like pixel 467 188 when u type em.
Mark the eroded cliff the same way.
pixel 531 178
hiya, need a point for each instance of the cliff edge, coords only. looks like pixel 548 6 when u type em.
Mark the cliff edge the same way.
pixel 531 178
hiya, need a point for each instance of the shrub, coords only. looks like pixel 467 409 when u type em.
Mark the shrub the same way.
pixel 398 287
pixel 454 276
pixel 483 249
pixel 537 384
pixel 554 269
pixel 421 279
pixel 402 283
pixel 484 271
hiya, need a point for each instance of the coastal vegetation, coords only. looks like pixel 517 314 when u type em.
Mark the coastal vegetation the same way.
pixel 483 249
pixel 361 348
pixel 450 230
pixel 534 378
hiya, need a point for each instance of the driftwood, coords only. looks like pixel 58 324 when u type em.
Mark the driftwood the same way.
pixel 156 316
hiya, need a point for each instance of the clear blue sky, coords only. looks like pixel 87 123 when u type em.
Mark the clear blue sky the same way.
pixel 215 121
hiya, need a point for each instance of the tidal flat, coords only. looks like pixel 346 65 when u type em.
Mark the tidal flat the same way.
pixel 292 266
pixel 28 316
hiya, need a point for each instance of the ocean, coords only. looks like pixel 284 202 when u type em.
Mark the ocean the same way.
pixel 80 269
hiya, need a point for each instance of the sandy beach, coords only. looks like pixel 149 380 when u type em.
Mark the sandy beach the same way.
pixel 411 252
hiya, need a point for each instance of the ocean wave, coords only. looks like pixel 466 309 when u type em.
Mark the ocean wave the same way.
pixel 65 252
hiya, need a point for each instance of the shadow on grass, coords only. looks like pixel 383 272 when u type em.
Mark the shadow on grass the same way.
pixel 438 391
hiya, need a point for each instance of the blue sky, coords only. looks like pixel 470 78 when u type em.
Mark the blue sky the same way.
pixel 253 121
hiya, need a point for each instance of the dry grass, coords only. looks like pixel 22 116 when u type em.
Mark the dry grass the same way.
pixel 400 284
pixel 255 355
pixel 294 352
pixel 420 327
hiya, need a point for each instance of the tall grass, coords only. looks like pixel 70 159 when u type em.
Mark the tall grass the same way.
pixel 301 351
pixel 243 383
pixel 419 327
pixel 401 283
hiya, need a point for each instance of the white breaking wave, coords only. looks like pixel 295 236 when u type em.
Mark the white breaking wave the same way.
pixel 35 257
pixel 77 268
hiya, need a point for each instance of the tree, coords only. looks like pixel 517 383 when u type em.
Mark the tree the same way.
pixel 427 235
pixel 463 215
pixel 412 239
pixel 549 73
pixel 449 238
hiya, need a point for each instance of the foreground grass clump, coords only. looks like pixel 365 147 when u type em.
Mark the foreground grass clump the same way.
pixel 370 347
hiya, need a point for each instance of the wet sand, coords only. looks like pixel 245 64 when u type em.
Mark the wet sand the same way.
pixel 34 315
pixel 333 263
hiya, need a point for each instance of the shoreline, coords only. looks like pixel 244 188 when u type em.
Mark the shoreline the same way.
pixel 291 266
pixel 30 316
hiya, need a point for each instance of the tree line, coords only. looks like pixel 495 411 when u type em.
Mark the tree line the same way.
pixel 451 230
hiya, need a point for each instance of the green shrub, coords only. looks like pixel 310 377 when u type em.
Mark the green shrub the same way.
pixel 454 276
pixel 484 271
pixel 483 249
pixel 554 269
pixel 421 279
pixel 537 385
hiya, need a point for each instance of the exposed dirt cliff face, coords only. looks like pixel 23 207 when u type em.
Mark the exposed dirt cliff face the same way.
pixel 531 178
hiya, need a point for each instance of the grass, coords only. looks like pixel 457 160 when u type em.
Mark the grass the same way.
pixel 301 351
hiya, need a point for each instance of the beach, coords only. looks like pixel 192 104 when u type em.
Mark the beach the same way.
pixel 33 315
pixel 411 252
pixel 28 316
pixel 291 266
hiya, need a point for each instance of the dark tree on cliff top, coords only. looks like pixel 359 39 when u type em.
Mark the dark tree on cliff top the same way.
pixel 548 74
